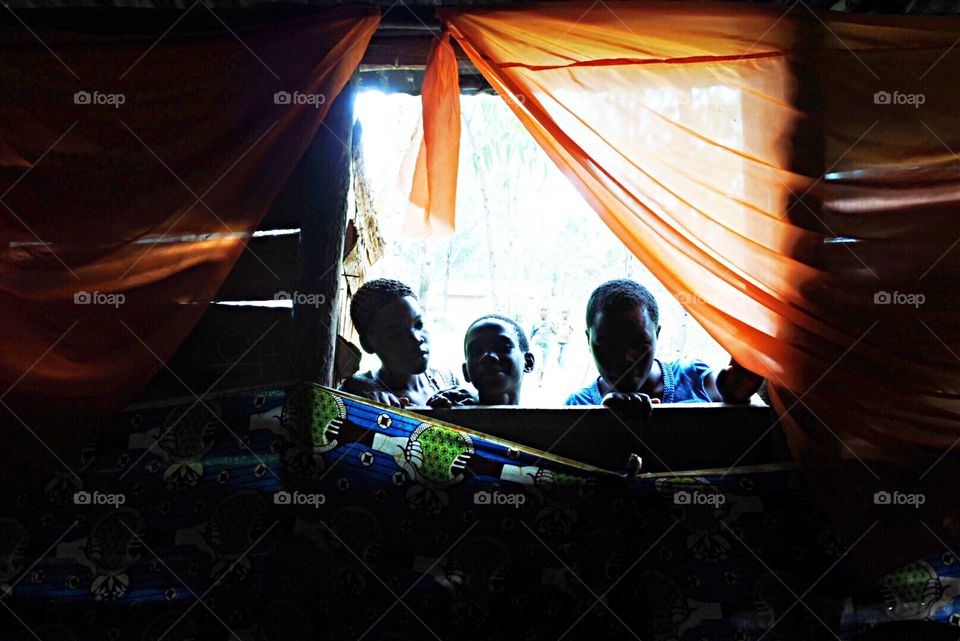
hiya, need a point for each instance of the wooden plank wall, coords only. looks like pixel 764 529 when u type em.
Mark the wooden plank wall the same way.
pixel 297 248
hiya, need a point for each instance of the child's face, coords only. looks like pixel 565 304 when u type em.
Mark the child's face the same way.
pixel 623 345
pixel 398 337
pixel 495 363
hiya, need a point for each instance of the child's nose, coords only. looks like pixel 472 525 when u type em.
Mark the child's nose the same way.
pixel 489 356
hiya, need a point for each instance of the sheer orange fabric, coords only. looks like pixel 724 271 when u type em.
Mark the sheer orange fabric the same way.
pixel 132 172
pixel 433 194
pixel 789 176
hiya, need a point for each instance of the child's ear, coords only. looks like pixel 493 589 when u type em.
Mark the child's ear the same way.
pixel 466 374
pixel 528 362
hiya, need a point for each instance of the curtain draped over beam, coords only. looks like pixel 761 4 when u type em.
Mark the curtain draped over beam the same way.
pixel 132 173
pixel 789 176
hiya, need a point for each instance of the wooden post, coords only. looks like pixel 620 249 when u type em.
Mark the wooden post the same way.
pixel 325 176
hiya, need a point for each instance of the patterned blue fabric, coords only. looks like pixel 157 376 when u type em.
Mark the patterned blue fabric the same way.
pixel 302 513
pixel 683 382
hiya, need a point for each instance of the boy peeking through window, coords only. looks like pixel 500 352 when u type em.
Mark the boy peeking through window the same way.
pixel 497 355
pixel 389 322
pixel 623 323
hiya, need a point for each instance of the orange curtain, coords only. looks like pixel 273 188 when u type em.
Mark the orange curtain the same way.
pixel 433 193
pixel 790 176
pixel 132 173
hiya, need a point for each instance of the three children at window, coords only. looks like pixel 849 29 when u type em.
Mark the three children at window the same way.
pixel 622 330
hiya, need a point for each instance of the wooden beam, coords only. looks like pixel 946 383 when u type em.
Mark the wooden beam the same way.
pixel 678 437
pixel 323 181
pixel 395 62
pixel 286 212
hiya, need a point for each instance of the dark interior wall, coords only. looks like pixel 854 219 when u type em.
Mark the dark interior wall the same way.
pixel 243 345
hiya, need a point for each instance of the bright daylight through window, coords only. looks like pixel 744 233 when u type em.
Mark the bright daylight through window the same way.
pixel 526 241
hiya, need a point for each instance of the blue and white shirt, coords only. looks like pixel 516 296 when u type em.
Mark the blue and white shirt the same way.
pixel 683 382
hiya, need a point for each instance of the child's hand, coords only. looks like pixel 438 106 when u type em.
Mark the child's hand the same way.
pixel 451 398
pixel 632 404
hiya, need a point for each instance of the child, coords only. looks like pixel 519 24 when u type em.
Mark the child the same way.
pixel 388 320
pixel 543 333
pixel 497 356
pixel 564 334
pixel 622 330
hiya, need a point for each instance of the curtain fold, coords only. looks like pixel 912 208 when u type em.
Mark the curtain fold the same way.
pixel 132 173
pixel 433 172
pixel 789 176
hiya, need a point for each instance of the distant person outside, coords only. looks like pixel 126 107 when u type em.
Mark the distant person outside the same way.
pixel 564 334
pixel 543 334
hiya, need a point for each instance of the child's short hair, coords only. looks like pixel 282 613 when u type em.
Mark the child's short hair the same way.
pixel 373 295
pixel 521 335
pixel 619 296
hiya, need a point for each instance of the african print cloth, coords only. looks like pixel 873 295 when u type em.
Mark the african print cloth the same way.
pixel 300 513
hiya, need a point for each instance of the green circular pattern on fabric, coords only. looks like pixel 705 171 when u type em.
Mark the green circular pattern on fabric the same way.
pixel 327 408
pixel 440 447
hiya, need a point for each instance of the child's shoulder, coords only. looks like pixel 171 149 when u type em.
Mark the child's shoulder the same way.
pixel 589 395
pixel 683 366
pixel 684 381
pixel 361 383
